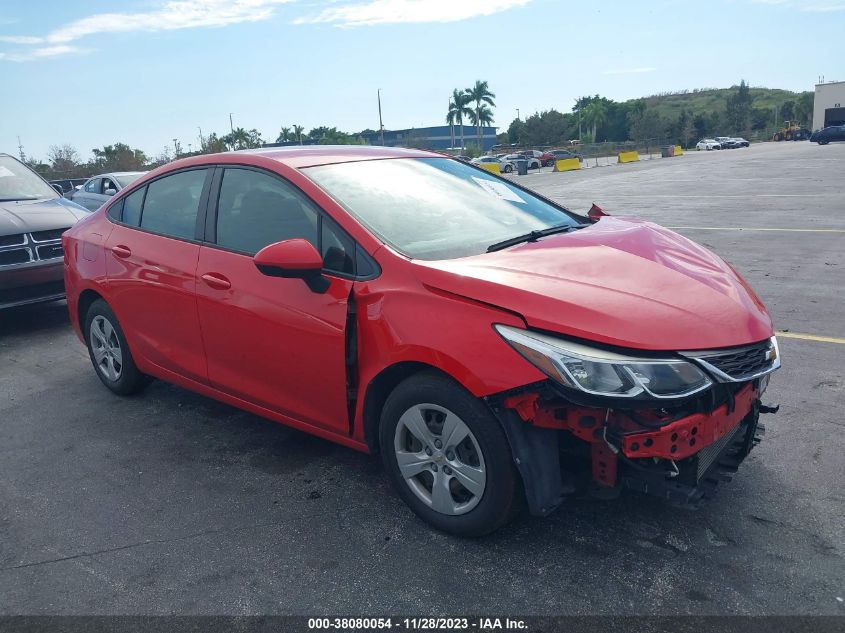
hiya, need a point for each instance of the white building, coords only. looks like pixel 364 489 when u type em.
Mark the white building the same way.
pixel 829 105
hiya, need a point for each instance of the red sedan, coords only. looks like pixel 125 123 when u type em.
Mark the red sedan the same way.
pixel 402 302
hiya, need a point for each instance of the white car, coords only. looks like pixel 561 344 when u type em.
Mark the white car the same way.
pixel 533 163
pixel 708 144
pixel 505 166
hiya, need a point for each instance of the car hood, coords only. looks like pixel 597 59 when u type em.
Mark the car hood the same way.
pixel 624 282
pixel 38 215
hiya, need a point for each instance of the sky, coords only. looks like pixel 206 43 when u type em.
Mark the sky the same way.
pixel 143 72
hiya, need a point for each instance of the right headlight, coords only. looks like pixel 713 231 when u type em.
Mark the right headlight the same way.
pixel 604 373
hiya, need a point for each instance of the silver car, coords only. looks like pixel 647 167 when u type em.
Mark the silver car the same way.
pixel 100 188
pixel 32 219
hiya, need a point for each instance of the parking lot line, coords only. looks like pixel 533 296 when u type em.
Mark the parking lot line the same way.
pixel 747 228
pixel 811 337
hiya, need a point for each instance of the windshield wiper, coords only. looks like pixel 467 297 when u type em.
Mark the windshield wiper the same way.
pixel 533 236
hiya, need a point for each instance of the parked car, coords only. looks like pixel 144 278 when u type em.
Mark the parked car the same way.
pixel 726 142
pixel 708 144
pixel 33 217
pixel 533 163
pixel 563 154
pixel 505 166
pixel 829 134
pixel 740 142
pixel 451 320
pixel 544 158
pixel 99 189
pixel 68 185
pixel 463 157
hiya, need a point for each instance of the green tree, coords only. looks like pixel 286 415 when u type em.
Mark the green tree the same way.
pixel 804 108
pixel 787 110
pixel 595 115
pixel 457 111
pixel 118 157
pixel 480 94
pixel 738 110
pixel 284 135
pixel 297 133
pixel 213 144
pixel 483 116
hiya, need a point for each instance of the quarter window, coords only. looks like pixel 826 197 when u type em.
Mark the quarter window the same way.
pixel 132 207
pixel 170 207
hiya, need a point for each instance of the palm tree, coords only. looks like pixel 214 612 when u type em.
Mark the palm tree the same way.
pixel 458 110
pixel 484 116
pixel 480 94
pixel 595 115
pixel 284 135
pixel 297 133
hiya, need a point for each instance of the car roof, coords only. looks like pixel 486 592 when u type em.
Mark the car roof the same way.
pixel 115 173
pixel 297 156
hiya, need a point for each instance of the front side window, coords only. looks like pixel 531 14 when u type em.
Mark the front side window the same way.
pixel 171 204
pixel 256 209
pixel 93 185
pixel 435 208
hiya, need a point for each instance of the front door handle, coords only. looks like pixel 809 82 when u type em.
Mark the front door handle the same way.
pixel 216 281
pixel 121 251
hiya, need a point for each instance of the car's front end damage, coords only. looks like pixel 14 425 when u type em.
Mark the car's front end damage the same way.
pixel 669 425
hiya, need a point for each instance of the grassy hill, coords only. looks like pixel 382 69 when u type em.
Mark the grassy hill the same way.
pixel 708 100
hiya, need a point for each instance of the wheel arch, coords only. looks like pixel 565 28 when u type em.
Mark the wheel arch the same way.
pixel 86 298
pixel 381 386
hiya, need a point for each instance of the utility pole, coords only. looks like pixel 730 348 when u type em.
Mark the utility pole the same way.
pixel 176 147
pixel 202 140
pixel 380 123
pixel 231 126
pixel 517 114
pixel 20 150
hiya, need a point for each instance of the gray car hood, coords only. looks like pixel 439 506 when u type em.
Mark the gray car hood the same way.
pixel 26 216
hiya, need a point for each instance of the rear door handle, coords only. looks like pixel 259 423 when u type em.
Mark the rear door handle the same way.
pixel 216 281
pixel 121 251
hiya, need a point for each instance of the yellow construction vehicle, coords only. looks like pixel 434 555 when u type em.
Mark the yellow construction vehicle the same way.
pixel 791 131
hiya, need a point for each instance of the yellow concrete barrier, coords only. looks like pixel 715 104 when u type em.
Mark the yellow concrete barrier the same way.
pixel 629 157
pixel 491 167
pixel 679 151
pixel 567 164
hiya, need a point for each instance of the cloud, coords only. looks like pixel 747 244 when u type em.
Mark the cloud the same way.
pixel 176 14
pixel 807 6
pixel 630 71
pixel 403 11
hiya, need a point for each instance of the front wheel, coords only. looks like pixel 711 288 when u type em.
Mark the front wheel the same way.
pixel 508 169
pixel 448 457
pixel 109 351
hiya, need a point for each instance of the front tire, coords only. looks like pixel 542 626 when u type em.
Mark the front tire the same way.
pixel 109 351
pixel 508 169
pixel 448 457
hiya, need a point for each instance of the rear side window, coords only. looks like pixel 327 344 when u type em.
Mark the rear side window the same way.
pixel 132 207
pixel 171 204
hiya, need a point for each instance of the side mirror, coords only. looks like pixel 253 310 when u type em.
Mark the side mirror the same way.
pixel 59 190
pixel 293 259
pixel 109 192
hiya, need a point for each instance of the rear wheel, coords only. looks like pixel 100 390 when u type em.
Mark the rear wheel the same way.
pixel 448 457
pixel 109 351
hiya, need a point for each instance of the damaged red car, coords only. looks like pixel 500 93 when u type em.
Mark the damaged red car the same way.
pixel 484 340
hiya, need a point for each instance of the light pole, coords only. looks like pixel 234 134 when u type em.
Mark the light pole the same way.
pixel 380 123
pixel 517 114
pixel 176 147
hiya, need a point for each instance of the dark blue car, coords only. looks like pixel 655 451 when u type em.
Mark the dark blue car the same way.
pixel 829 134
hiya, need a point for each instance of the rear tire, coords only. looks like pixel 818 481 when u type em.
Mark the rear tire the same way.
pixel 109 351
pixel 419 424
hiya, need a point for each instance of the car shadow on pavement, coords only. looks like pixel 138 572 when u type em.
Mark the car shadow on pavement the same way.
pixel 32 319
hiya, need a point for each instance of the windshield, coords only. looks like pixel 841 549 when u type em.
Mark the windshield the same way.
pixel 19 182
pixel 126 179
pixel 435 208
